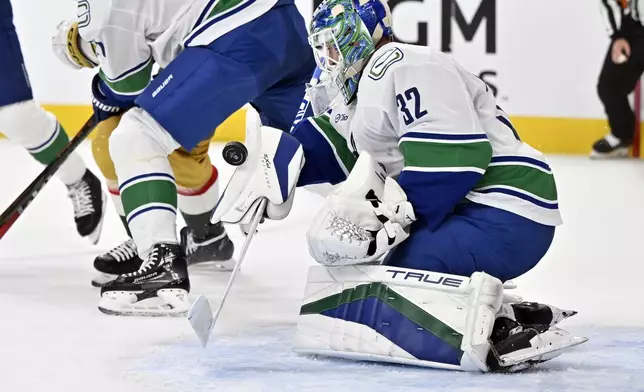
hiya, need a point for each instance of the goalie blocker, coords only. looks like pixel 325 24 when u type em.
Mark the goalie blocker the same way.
pixel 422 318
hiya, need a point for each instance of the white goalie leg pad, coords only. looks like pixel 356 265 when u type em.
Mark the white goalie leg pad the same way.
pixel 486 297
pixel 398 315
pixel 271 170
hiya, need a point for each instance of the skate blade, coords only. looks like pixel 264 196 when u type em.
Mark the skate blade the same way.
pixel 95 235
pixel 215 265
pixel 166 303
pixel 561 315
pixel 101 278
pixel 552 350
pixel 618 153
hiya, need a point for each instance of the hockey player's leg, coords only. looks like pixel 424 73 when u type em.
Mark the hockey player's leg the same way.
pixel 416 317
pixel 139 148
pixel 345 233
pixel 198 188
pixel 616 82
pixel 476 238
pixel 123 258
pixel 191 96
pixel 398 315
pixel 27 124
pixel 480 238
pixel 279 104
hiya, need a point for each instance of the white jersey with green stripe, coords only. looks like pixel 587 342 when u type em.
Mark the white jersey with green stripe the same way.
pixel 130 36
pixel 436 128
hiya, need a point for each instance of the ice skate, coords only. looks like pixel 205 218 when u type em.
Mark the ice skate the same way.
pixel 533 313
pixel 610 147
pixel 122 259
pixel 516 348
pixel 526 348
pixel 159 288
pixel 88 199
pixel 216 249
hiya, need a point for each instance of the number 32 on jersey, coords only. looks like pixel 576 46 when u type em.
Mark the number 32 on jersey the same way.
pixel 410 106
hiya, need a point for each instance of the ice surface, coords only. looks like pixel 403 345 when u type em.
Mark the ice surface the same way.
pixel 52 337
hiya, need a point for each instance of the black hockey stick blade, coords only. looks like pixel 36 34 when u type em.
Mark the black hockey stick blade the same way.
pixel 11 214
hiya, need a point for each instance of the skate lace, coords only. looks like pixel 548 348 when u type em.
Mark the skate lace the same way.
pixel 150 262
pixel 345 229
pixel 81 199
pixel 124 251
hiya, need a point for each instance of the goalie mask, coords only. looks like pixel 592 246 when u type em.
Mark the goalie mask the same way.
pixel 344 34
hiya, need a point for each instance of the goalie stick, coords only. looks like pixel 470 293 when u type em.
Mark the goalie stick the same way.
pixel 200 314
pixel 13 212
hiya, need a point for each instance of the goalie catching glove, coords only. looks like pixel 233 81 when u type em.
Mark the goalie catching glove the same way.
pixel 363 218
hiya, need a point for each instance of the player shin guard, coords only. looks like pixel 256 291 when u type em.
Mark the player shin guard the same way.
pixel 146 184
pixel 40 133
pixel 150 204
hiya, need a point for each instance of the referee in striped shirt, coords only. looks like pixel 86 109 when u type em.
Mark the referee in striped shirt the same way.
pixel 622 69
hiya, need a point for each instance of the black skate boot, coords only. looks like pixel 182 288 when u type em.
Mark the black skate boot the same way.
pixel 88 199
pixel 610 147
pixel 159 288
pixel 120 260
pixel 516 347
pixel 536 315
pixel 215 247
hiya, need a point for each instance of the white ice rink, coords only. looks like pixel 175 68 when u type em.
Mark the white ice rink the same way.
pixel 53 338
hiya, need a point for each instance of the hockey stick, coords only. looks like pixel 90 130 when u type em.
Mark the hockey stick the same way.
pixel 200 315
pixel 13 212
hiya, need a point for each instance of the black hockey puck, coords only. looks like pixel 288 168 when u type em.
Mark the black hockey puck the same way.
pixel 235 153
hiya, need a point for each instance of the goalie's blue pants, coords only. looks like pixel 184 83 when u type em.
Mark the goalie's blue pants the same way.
pixel 475 238
pixel 14 82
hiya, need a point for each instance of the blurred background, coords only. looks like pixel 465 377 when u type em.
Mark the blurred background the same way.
pixel 543 58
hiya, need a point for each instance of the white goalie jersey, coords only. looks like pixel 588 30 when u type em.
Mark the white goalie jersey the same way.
pixel 436 128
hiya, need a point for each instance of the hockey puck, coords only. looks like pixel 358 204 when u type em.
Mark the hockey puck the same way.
pixel 235 153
